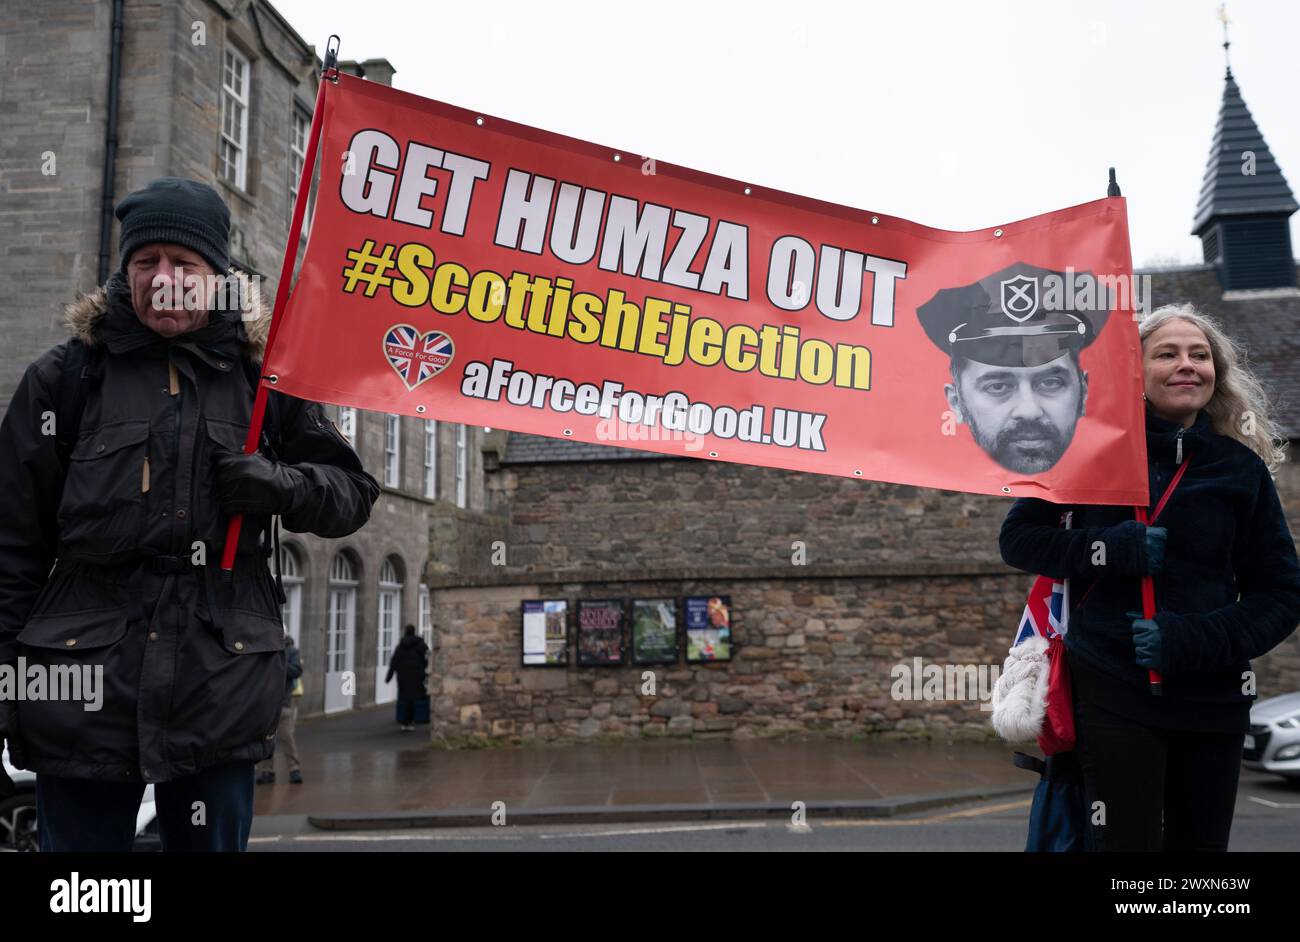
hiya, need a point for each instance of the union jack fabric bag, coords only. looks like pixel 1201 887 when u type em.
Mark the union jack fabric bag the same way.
pixel 1031 699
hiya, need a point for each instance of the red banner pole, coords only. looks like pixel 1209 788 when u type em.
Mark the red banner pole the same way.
pixel 1154 679
pixel 328 77
pixel 1149 611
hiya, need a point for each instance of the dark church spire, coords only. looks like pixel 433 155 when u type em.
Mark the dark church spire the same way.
pixel 1245 203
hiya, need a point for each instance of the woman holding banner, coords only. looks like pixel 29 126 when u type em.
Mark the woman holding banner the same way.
pixel 1161 771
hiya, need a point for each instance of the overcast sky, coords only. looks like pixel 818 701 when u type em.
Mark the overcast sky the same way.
pixel 958 115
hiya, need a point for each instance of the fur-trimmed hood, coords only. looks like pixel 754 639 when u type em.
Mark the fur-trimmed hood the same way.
pixel 84 313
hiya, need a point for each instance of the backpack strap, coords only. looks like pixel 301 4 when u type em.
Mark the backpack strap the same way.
pixel 1022 760
pixel 80 368
pixel 271 440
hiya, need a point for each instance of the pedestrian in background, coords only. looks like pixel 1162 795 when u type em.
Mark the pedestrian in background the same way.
pixel 284 738
pixel 409 662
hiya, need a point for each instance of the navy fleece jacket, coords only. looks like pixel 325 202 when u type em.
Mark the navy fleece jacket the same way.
pixel 1229 589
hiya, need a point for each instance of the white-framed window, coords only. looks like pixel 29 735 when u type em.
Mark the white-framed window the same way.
pixel 425 625
pixel 393 450
pixel 390 614
pixel 431 458
pixel 342 613
pixel 232 155
pixel 462 465
pixel 298 130
pixel 348 424
pixel 292 578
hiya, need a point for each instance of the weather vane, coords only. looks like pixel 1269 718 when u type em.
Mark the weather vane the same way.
pixel 1223 18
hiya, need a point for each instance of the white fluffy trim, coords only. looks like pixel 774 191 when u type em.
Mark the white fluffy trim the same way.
pixel 1020 695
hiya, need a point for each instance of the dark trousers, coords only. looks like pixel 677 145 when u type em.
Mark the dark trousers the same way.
pixel 74 814
pixel 1163 790
pixel 406 711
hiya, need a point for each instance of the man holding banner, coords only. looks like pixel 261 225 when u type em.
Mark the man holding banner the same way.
pixel 121 464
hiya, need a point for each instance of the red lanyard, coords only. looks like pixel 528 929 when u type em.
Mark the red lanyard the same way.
pixel 1148 584
pixel 1164 498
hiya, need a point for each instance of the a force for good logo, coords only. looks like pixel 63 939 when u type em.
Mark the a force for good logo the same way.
pixel 416 357
pixel 1020 297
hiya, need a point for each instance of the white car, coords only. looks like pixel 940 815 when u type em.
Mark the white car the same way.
pixel 18 814
pixel 1273 743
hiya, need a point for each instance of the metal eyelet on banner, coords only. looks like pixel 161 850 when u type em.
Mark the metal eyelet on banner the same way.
pixel 997 233
pixel 1006 490
pixel 617 158
pixel 568 431
pixel 273 379
pixel 746 191
pixel 713 454
pixel 479 121
pixel 419 409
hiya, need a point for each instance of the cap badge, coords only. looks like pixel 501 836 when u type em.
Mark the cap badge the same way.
pixel 1020 298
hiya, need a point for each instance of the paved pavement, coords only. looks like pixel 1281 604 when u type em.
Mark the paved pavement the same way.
pixel 361 772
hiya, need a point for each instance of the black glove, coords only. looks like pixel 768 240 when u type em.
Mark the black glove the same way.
pixel 1156 537
pixel 254 484
pixel 1148 643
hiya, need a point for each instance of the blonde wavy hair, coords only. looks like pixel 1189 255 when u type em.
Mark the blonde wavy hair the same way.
pixel 1238 401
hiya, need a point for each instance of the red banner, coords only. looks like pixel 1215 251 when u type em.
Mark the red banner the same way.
pixel 468 269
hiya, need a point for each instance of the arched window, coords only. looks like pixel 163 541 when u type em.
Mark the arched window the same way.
pixel 390 627
pixel 340 688
pixel 292 579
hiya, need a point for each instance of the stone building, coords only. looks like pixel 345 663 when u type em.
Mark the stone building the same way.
pixel 219 91
pixel 839 588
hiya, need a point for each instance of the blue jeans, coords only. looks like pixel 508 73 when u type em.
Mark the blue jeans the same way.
pixel 75 814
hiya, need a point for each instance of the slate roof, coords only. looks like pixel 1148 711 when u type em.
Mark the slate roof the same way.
pixel 1226 191
pixel 534 449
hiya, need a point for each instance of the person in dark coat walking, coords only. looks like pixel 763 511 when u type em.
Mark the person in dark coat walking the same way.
pixel 1227 587
pixel 112 564
pixel 409 662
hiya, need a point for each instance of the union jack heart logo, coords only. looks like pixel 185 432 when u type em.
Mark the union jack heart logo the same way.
pixel 417 357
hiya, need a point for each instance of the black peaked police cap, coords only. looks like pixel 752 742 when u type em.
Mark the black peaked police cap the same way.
pixel 1018 316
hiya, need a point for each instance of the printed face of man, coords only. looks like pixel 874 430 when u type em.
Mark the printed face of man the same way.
pixel 1022 416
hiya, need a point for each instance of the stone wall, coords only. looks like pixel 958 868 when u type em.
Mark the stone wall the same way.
pixel 52 97
pixel 812 655
pixel 890 574
pixel 697 515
